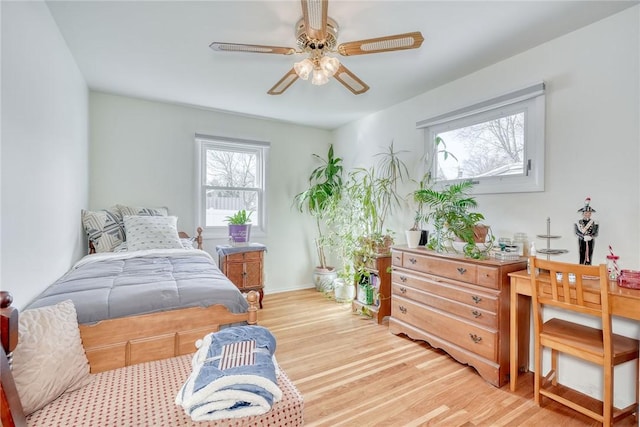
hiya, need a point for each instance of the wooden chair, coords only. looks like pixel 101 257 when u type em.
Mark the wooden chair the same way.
pixel 582 289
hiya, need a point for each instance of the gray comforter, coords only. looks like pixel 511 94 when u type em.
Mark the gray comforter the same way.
pixel 110 285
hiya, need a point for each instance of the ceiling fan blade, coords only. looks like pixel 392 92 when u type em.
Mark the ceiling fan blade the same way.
pixel 253 48
pixel 382 44
pixel 284 83
pixel 350 80
pixel 315 18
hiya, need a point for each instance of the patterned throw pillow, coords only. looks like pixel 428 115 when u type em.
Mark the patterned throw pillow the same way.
pixel 140 211
pixel 104 228
pixel 49 359
pixel 151 232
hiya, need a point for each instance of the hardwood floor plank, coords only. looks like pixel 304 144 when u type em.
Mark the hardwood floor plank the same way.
pixel 353 372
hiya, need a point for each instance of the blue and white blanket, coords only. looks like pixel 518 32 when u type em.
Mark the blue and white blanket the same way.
pixel 234 375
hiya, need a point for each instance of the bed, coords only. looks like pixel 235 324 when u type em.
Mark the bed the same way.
pixel 142 394
pixel 144 292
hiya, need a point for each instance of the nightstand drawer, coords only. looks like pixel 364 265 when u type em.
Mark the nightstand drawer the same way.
pixel 245 256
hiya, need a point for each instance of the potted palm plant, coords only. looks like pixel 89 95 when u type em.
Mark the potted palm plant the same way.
pixel 452 218
pixel 320 199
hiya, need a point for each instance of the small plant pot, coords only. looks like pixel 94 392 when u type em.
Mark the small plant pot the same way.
pixel 240 233
pixel 342 291
pixel 413 238
pixel 323 278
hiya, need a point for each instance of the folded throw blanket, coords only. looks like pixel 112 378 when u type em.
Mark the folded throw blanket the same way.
pixel 234 375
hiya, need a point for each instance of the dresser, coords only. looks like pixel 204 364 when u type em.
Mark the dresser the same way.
pixel 454 303
pixel 244 266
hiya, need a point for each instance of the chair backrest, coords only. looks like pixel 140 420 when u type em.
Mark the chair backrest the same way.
pixel 574 287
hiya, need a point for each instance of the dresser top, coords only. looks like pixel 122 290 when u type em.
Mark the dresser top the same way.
pixel 454 256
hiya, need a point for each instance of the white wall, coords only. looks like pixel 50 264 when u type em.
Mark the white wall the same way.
pixel 143 154
pixel 592 147
pixel 44 152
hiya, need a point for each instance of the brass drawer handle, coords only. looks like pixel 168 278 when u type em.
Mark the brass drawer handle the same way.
pixel 413 260
pixel 476 299
pixel 476 339
pixel 402 309
pixel 462 270
pixel 476 313
pixel 403 290
pixel 403 279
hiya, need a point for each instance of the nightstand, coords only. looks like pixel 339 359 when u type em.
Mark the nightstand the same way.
pixel 244 266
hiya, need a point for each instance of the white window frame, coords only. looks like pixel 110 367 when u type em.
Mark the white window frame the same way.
pixel 261 150
pixel 531 101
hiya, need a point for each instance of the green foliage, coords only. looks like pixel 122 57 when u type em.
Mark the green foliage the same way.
pixel 321 198
pixel 239 218
pixel 449 211
pixel 439 147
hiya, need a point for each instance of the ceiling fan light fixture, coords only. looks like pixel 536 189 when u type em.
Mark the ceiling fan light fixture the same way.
pixel 303 68
pixel 320 77
pixel 329 64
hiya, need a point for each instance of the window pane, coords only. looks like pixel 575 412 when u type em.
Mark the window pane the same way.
pixel 231 168
pixel 223 203
pixel 491 148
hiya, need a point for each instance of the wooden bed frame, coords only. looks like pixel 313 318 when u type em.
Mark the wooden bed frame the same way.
pixel 120 342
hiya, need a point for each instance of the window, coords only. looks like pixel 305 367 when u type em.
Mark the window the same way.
pixel 231 177
pixel 498 144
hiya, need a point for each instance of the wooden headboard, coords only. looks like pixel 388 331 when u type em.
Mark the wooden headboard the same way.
pixel 181 234
pixel 11 412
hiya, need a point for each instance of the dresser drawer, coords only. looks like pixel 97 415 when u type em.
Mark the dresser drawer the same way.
pixel 245 256
pixel 481 300
pixel 473 314
pixel 452 269
pixel 472 337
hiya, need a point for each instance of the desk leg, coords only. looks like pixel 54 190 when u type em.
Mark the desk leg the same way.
pixel 519 324
pixel 513 338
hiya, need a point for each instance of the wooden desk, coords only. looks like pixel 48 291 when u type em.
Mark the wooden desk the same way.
pixel 624 302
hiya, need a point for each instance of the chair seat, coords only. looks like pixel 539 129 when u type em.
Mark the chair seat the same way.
pixel 587 340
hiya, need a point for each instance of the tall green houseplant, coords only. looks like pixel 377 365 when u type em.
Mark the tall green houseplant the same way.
pixel 322 197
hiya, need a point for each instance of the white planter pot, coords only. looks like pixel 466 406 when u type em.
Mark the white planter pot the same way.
pixel 323 279
pixel 413 238
pixel 342 291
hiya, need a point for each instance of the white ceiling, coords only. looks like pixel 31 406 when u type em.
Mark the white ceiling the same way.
pixel 159 50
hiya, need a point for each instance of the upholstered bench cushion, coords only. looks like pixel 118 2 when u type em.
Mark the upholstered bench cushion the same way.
pixel 144 395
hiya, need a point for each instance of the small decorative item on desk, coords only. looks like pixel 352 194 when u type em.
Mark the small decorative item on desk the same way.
pixel 587 230
pixel 629 279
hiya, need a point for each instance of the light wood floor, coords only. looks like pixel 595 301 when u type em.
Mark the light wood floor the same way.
pixel 353 372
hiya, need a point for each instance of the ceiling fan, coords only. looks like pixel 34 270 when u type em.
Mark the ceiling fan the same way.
pixel 317 36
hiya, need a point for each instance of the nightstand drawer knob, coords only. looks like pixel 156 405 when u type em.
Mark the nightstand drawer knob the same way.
pixel 403 290
pixel 476 313
pixel 462 270
pixel 476 339
pixel 413 260
pixel 476 299
pixel 403 279
pixel 402 309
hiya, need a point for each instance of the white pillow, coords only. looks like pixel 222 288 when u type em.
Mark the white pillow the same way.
pixel 49 359
pixel 151 232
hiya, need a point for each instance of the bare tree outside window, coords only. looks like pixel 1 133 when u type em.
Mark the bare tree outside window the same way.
pixel 490 148
pixel 232 184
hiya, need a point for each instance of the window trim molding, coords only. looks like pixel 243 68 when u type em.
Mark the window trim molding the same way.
pixel 532 101
pixel 201 141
